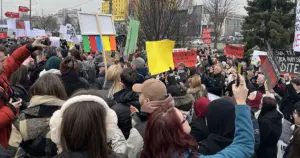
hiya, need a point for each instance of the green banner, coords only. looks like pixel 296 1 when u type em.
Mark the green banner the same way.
pixel 132 37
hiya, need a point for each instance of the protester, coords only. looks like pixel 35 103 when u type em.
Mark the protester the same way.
pixel 254 100
pixel 270 125
pixel 99 81
pixel 292 97
pixel 218 81
pixel 73 135
pixel 8 108
pixel 126 99
pixel 199 128
pixel 112 82
pixel 183 102
pixel 138 64
pixel 196 88
pixel 260 83
pixel 18 81
pixel 30 129
pixel 70 78
pixel 220 116
pixel 166 133
pixel 52 66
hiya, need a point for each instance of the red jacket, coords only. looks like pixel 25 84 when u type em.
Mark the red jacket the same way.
pixel 7 113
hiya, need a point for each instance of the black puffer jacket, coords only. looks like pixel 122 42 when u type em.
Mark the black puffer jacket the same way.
pixel 270 125
pixel 85 155
pixel 99 81
pixel 125 98
pixel 73 83
pixel 218 82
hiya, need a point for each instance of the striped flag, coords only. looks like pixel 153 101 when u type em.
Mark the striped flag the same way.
pixel 93 43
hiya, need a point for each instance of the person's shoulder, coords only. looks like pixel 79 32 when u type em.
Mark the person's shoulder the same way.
pixel 72 154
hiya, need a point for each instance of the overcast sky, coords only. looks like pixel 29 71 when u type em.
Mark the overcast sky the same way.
pixel 52 6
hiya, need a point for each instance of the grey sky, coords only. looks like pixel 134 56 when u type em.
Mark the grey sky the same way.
pixel 52 6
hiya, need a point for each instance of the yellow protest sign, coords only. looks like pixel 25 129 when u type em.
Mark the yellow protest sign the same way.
pixel 160 56
pixel 71 44
pixel 106 43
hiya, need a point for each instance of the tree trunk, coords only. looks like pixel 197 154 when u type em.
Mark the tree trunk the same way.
pixel 216 37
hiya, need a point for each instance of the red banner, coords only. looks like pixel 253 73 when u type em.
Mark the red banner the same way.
pixel 23 9
pixel 206 30
pixel 20 25
pixel 206 35
pixel 12 15
pixel 238 52
pixel 206 41
pixel 3 35
pixel 189 58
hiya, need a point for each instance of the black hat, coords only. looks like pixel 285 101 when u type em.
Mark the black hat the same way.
pixel 296 81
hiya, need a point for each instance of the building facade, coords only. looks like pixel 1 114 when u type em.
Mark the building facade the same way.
pixel 233 25
pixel 119 9
pixel 62 14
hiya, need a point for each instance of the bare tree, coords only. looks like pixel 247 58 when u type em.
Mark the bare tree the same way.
pixel 46 22
pixel 218 10
pixel 162 19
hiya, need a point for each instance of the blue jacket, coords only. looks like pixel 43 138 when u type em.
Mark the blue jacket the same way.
pixel 243 142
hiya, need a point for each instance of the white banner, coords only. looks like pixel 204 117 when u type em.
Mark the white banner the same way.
pixel 71 34
pixel 297 29
pixel 27 28
pixel 11 24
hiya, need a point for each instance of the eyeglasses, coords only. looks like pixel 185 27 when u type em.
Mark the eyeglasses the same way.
pixel 185 118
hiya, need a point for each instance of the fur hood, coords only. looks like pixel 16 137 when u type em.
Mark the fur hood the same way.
pixel 185 102
pixel 52 71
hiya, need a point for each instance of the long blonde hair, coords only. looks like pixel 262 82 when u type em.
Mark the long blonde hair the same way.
pixel 113 74
pixel 196 88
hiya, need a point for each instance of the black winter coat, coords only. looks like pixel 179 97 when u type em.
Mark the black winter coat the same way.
pixel 20 92
pixel 35 71
pixel 287 103
pixel 73 82
pixel 85 155
pixel 270 125
pixel 99 81
pixel 199 129
pixel 125 98
pixel 218 82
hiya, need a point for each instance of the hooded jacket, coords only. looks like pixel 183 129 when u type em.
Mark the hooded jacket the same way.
pixel 125 98
pixel 221 122
pixel 7 111
pixel 199 128
pixel 270 125
pixel 31 128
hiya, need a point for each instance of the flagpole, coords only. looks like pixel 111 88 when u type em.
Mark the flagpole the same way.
pixel 29 13
pixel 1 11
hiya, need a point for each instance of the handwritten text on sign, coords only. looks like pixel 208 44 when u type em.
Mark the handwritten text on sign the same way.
pixel 235 51
pixel 289 61
pixel 189 58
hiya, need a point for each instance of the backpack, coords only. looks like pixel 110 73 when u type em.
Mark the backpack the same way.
pixel 88 71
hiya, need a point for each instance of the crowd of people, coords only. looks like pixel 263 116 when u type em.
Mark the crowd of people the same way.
pixel 62 103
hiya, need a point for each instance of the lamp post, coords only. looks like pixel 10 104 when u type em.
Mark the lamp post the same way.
pixel 29 13
pixel 110 6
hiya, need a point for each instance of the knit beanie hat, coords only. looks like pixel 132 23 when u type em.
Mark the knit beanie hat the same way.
pixel 139 62
pixel 53 63
pixel 64 53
